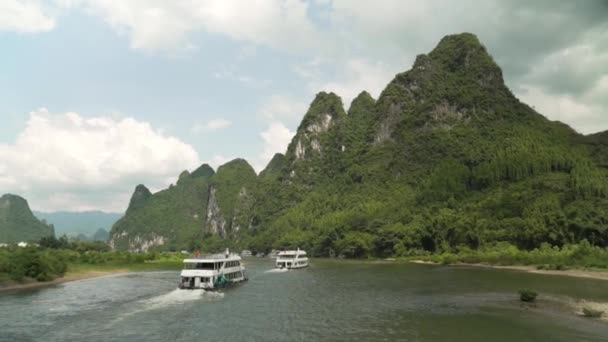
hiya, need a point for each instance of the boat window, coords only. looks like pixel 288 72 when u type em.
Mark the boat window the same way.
pixel 204 266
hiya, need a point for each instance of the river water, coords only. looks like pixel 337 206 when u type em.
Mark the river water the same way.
pixel 330 301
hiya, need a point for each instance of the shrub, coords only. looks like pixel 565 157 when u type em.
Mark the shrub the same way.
pixel 527 295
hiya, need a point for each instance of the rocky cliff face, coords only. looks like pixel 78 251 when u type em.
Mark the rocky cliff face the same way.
pixel 317 139
pixel 229 201
pixel 215 219
pixel 169 218
pixel 202 202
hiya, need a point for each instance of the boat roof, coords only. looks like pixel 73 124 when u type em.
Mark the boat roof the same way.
pixel 296 252
pixel 212 258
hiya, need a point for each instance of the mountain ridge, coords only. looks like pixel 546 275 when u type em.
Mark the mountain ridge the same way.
pixel 446 158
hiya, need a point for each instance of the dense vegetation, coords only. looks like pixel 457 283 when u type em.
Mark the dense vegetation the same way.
pixel 174 215
pixel 53 257
pixel 447 163
pixel 17 223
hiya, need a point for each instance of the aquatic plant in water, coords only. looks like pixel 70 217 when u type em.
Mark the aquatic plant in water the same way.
pixel 527 295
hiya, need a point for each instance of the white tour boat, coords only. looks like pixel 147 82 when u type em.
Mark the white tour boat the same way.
pixel 292 259
pixel 210 272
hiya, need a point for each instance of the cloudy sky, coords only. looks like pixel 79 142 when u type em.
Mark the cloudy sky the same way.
pixel 100 95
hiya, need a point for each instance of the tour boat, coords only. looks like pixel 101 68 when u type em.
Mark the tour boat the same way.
pixel 292 259
pixel 211 272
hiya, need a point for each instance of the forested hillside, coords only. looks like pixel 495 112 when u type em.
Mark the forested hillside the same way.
pixel 446 158
pixel 17 223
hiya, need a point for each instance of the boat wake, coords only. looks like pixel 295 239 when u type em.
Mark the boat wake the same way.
pixel 578 307
pixel 176 297
pixel 277 270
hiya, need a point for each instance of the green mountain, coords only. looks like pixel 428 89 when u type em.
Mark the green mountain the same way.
pixel 173 216
pixel 598 145
pixel 447 158
pixel 202 203
pixel 17 223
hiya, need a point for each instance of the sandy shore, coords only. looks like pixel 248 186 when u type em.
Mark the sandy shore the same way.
pixel 68 277
pixel 601 275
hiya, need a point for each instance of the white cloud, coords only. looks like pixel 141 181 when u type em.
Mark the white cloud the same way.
pixel 580 113
pixel 359 75
pixel 159 25
pixel 572 69
pixel 24 16
pixel 283 107
pixel 69 162
pixel 275 138
pixel 212 125
pixel 218 160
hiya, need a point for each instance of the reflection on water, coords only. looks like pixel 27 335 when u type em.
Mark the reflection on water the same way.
pixel 329 301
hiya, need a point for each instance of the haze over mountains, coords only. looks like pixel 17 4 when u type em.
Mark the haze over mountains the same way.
pixel 18 223
pixel 83 224
pixel 445 158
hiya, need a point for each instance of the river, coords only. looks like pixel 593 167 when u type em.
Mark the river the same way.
pixel 332 300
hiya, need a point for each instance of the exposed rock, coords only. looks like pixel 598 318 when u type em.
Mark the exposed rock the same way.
pixel 139 244
pixel 215 220
pixel 300 151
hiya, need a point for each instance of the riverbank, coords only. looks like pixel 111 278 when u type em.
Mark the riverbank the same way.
pixel 32 284
pixel 578 273
pixel 86 271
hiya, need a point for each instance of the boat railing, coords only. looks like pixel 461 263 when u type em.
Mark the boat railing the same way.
pixel 217 256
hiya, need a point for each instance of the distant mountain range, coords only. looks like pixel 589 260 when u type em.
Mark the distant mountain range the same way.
pixel 84 225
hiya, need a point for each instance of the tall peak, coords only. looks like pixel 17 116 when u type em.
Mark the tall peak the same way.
pixel 139 198
pixel 204 170
pixel 463 53
pixel 325 108
pixel 274 167
pixel 363 102
pixel 239 164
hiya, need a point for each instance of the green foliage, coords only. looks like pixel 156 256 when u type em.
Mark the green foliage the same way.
pixel 176 214
pixel 17 223
pixel 527 295
pixel 546 256
pixel 232 185
pixel 447 164
pixel 355 245
pixel 45 264
pixel 53 242
pixel 41 265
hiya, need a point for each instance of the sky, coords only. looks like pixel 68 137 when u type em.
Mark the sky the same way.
pixel 101 95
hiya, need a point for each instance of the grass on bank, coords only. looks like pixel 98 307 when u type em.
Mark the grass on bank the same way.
pixel 547 257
